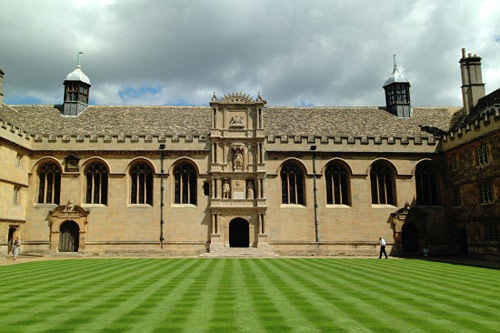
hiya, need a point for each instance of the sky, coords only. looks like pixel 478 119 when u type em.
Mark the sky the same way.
pixel 311 53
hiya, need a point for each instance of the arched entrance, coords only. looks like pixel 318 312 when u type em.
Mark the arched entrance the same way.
pixel 239 234
pixel 462 241
pixel 410 238
pixel 10 239
pixel 69 237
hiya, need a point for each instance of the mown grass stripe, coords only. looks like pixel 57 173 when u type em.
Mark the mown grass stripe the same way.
pixel 181 309
pixel 299 298
pixel 367 296
pixel 427 304
pixel 73 300
pixel 268 314
pixel 123 294
pixel 34 297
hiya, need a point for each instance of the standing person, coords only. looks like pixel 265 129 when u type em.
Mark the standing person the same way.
pixel 382 247
pixel 16 247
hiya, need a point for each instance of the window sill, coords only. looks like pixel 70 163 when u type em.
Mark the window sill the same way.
pixel 183 206
pixel 44 205
pixel 292 206
pixel 430 206
pixel 140 206
pixel 383 206
pixel 94 206
pixel 337 206
pixel 486 203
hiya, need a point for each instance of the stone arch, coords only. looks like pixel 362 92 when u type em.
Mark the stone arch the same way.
pixel 184 159
pixel 386 161
pixel 69 236
pixel 337 160
pixel 139 159
pixel 88 161
pixel 428 183
pixel 293 159
pixel 63 213
pixel 44 160
pixel 185 183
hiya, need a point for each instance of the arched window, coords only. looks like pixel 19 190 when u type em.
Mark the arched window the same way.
pixel 141 184
pixel 49 185
pixel 382 184
pixel 337 185
pixel 427 185
pixel 292 184
pixel 97 184
pixel 185 184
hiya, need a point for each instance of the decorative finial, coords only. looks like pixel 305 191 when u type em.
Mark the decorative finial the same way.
pixel 259 98
pixel 78 61
pixel 214 98
pixel 395 64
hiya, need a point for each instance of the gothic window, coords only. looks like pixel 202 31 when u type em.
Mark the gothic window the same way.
pixel 141 184
pixel 15 198
pixel 49 183
pixel 483 154
pixel 382 184
pixel 292 184
pixel 453 161
pixel 427 185
pixel 486 193
pixel 96 176
pixel 185 184
pixel 491 233
pixel 337 188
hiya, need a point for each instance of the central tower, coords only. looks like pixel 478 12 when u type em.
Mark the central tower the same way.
pixel 237 169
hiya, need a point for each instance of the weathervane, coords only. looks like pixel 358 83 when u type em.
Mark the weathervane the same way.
pixel 395 64
pixel 78 61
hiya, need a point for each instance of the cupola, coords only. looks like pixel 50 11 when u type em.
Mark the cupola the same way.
pixel 397 93
pixel 76 91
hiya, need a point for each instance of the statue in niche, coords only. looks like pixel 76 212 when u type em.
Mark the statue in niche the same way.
pixel 226 190
pixel 236 121
pixel 237 160
pixel 250 190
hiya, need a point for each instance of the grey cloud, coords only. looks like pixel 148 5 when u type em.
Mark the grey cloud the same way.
pixel 319 52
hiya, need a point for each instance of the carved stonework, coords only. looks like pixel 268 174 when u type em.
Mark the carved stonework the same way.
pixel 237 159
pixel 226 190
pixel 236 122
pixel 71 163
pixel 237 97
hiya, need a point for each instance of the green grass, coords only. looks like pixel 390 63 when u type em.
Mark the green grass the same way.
pixel 251 295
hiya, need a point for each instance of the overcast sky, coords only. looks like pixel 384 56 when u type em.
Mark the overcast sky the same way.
pixel 293 52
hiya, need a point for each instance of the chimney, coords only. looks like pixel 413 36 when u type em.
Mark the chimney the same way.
pixel 472 80
pixel 1 88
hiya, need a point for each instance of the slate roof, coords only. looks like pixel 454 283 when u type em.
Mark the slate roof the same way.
pixel 196 120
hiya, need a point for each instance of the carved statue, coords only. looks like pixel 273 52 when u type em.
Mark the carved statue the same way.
pixel 250 190
pixel 70 206
pixel 236 121
pixel 226 190
pixel 238 160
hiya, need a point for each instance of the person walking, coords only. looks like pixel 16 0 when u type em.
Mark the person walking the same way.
pixel 381 241
pixel 16 247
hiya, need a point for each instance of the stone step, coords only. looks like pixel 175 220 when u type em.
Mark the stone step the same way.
pixel 240 252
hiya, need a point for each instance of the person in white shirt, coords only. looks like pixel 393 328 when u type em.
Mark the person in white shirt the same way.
pixel 382 247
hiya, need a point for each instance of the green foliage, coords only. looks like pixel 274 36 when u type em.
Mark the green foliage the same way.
pixel 251 295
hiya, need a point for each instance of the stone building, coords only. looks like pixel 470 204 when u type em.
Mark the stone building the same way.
pixel 178 180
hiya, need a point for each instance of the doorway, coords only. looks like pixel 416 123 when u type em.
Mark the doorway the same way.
pixel 69 237
pixel 239 235
pixel 410 238
pixel 10 239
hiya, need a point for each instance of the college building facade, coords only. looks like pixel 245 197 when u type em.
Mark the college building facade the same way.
pixel 188 180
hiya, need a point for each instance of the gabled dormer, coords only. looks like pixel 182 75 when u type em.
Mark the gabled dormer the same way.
pixel 397 93
pixel 76 91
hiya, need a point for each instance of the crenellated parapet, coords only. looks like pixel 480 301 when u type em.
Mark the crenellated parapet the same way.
pixel 487 121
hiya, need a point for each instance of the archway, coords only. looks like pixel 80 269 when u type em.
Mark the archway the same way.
pixel 462 241
pixel 239 235
pixel 10 239
pixel 69 237
pixel 410 238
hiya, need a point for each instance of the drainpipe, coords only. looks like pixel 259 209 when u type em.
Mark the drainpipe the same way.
pixel 162 222
pixel 316 222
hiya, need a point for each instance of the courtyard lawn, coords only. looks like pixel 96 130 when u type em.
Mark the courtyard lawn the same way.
pixel 251 295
